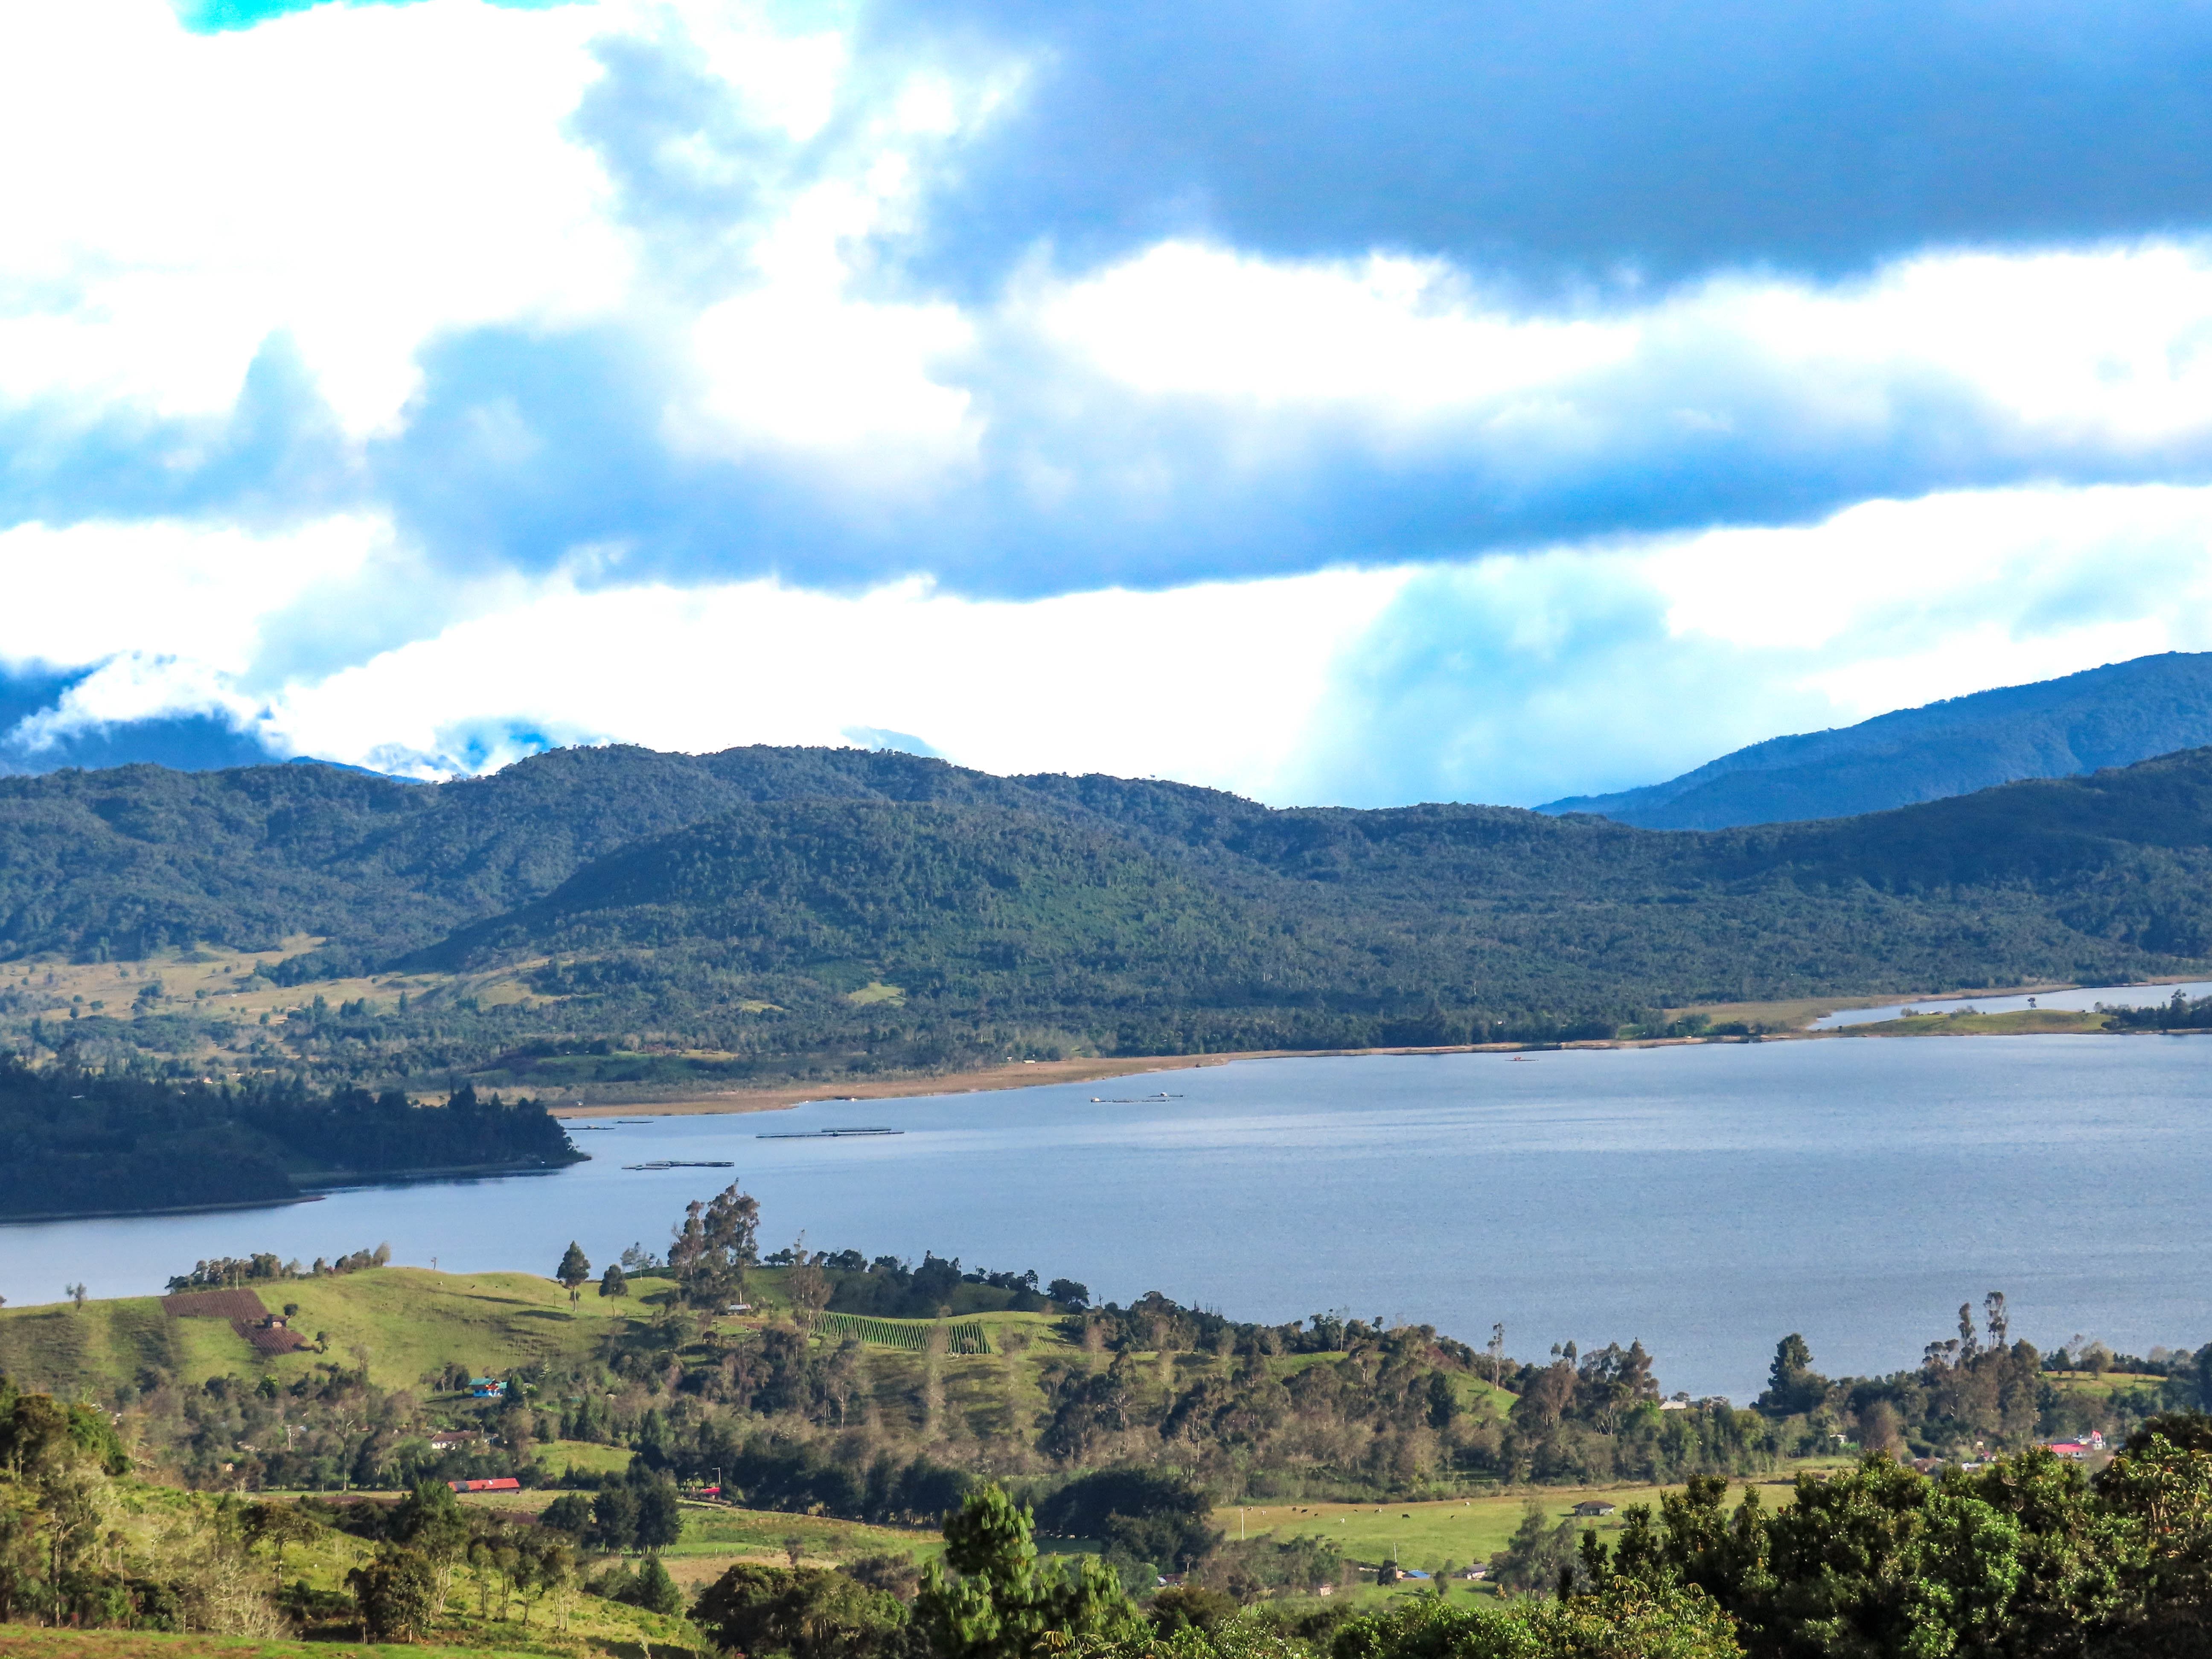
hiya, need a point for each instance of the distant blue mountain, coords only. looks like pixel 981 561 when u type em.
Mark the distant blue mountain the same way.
pixel 2115 715
pixel 186 742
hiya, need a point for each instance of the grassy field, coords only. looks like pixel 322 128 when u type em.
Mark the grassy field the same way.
pixel 219 984
pixel 409 1324
pixel 1796 1014
pixel 1454 1533
pixel 2016 1022
pixel 19 1643
pixel 2101 1384
pixel 713 1538
pixel 407 1320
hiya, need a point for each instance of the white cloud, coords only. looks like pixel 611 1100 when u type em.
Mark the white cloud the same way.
pixel 165 588
pixel 1515 679
pixel 1215 684
pixel 1578 671
pixel 360 178
pixel 368 180
pixel 2100 350
pixel 1402 336
pixel 1900 603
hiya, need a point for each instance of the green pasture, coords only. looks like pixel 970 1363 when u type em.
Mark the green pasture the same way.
pixel 2018 1022
pixel 2101 1384
pixel 408 1323
pixel 713 1536
pixel 1458 1531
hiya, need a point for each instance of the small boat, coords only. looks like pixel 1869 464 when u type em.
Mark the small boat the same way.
pixel 1524 1060
pixel 682 1163
pixel 1133 1100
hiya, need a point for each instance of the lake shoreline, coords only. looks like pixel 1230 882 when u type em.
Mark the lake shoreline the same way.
pixel 1043 1073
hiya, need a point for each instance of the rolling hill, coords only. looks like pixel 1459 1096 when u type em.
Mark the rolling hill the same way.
pixel 617 917
pixel 2115 715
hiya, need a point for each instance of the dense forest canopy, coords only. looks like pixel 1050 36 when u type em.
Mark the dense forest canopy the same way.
pixel 760 913
pixel 73 1142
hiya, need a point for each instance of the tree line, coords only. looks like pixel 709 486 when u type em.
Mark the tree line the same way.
pixel 716 933
pixel 76 1141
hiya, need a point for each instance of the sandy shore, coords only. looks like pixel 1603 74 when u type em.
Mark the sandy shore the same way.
pixel 1030 1074
pixel 1023 1074
pixel 1020 1075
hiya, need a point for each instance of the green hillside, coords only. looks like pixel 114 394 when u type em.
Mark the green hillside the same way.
pixel 619 919
pixel 408 1321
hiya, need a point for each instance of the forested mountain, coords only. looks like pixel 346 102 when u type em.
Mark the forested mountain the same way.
pixel 661 919
pixel 2115 715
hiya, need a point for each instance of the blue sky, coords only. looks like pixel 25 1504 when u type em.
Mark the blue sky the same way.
pixel 1355 404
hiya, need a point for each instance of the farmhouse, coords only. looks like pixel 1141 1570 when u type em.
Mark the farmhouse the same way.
pixel 1591 1508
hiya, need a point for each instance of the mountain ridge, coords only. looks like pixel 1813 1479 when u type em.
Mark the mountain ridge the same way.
pixel 2114 715
pixel 765 914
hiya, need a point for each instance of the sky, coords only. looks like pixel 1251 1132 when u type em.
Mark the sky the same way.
pixel 1337 405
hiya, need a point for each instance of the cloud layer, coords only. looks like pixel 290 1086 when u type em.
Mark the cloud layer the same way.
pixel 1327 403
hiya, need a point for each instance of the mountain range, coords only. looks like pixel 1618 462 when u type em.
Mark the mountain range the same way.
pixel 2109 716
pixel 763 913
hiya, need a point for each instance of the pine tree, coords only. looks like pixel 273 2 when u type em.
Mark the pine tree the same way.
pixel 573 1272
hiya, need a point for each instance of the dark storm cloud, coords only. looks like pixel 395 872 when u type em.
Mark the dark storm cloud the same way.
pixel 1572 137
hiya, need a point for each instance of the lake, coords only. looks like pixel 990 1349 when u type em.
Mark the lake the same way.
pixel 2083 998
pixel 1707 1200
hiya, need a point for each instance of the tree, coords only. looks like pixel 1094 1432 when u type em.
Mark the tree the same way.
pixel 807 1612
pixel 806 1285
pixel 614 1520
pixel 428 1521
pixel 995 1604
pixel 571 1513
pixel 614 1281
pixel 659 1514
pixel 279 1524
pixel 717 1240
pixel 76 1294
pixel 655 1591
pixel 1792 1384
pixel 1073 1292
pixel 573 1271
pixel 1536 1554
pixel 1625 1620
pixel 396 1593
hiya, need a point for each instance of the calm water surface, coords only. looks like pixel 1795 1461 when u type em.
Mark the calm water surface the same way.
pixel 1705 1200
pixel 2086 998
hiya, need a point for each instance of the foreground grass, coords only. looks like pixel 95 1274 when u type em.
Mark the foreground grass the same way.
pixel 17 1642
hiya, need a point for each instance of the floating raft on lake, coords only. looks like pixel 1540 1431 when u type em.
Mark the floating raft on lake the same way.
pixel 682 1163
pixel 824 1134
